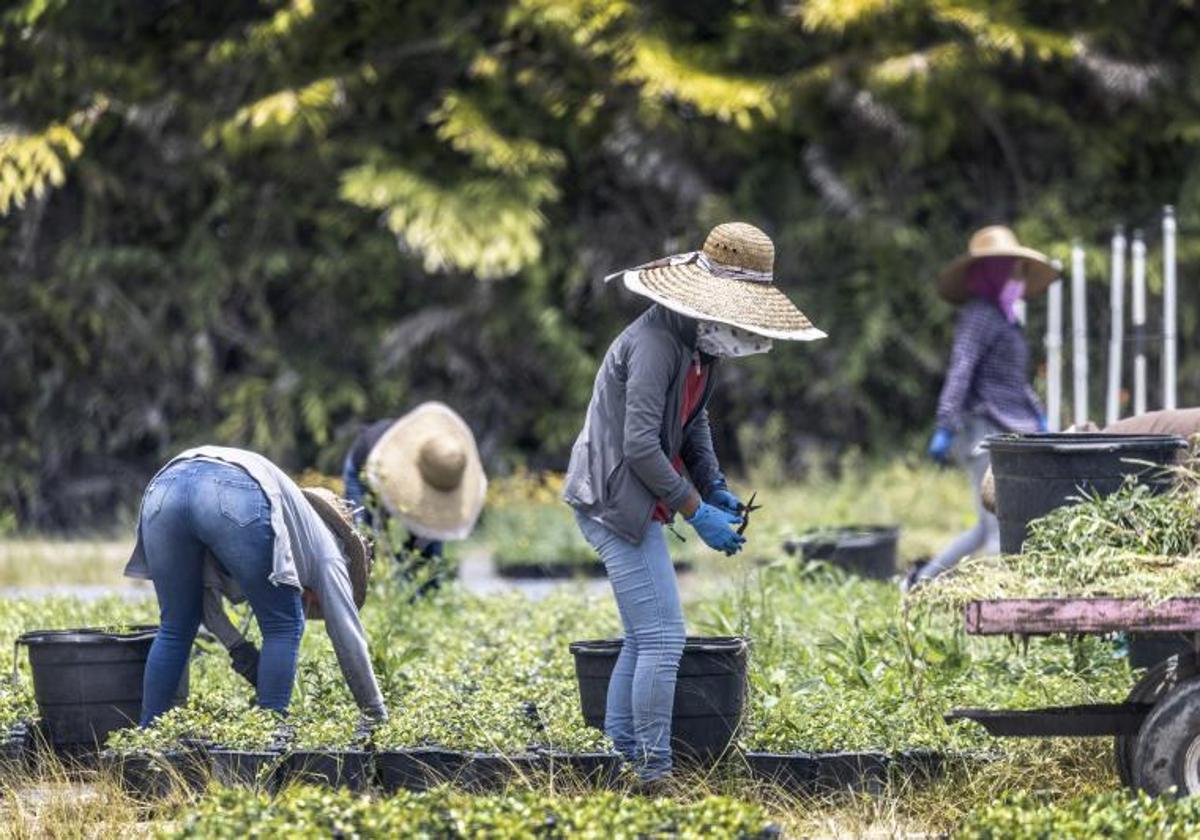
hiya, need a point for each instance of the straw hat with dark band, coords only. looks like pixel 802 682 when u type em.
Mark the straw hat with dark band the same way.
pixel 730 281
pixel 427 473
pixel 336 514
pixel 996 241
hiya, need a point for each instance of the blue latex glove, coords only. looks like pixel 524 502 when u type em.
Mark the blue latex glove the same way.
pixel 715 527
pixel 725 500
pixel 1043 423
pixel 939 445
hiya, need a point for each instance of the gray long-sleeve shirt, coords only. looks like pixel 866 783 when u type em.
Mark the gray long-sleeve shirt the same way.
pixel 307 555
pixel 621 462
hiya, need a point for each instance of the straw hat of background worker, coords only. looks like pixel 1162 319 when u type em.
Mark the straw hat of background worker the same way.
pixel 426 472
pixel 996 241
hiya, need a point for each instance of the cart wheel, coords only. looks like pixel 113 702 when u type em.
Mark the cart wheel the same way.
pixel 1167 754
pixel 1153 684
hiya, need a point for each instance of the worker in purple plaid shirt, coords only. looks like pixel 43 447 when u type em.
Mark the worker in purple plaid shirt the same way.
pixel 987 387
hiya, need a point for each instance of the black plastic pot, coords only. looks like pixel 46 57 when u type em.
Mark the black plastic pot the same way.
pixel 710 692
pixel 350 769
pixel 796 772
pixel 148 776
pixel 15 746
pixel 1035 474
pixel 1148 649
pixel 860 772
pixel 257 769
pixel 602 769
pixel 865 550
pixel 416 769
pixel 88 682
pixel 920 764
pixel 485 772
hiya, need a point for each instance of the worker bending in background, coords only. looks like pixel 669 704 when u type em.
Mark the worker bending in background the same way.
pixel 423 473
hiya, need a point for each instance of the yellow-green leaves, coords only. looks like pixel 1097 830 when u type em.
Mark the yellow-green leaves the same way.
pixel 487 225
pixel 463 125
pixel 837 15
pixel 667 74
pixel 30 163
pixel 282 117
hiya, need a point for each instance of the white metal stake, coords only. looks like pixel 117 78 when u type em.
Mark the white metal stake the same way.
pixel 1116 337
pixel 1079 349
pixel 1169 308
pixel 1138 304
pixel 1054 319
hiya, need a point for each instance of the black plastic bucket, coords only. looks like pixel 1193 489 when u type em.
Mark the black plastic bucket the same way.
pixel 865 550
pixel 1148 649
pixel 1035 474
pixel 88 682
pixel 710 692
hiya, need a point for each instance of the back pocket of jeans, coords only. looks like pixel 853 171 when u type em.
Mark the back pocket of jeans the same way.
pixel 156 493
pixel 240 503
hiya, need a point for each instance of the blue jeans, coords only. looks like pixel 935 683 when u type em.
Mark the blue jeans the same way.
pixel 192 509
pixel 642 691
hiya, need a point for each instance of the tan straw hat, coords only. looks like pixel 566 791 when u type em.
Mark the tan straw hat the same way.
pixel 427 473
pixel 359 552
pixel 730 280
pixel 996 241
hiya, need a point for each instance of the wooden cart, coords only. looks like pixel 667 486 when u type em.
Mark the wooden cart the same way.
pixel 1156 730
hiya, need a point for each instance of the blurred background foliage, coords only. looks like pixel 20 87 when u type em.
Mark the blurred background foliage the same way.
pixel 260 223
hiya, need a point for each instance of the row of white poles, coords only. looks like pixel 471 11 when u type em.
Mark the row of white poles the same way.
pixel 1116 344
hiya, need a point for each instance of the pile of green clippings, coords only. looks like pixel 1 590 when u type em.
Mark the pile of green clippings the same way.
pixel 1131 544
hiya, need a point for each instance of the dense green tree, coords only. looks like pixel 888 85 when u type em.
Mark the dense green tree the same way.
pixel 261 222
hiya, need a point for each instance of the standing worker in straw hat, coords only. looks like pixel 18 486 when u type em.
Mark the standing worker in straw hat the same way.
pixel 423 470
pixel 646 452
pixel 217 522
pixel 987 386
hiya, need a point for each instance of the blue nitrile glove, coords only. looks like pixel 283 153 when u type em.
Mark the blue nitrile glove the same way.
pixel 939 444
pixel 725 500
pixel 1043 423
pixel 715 527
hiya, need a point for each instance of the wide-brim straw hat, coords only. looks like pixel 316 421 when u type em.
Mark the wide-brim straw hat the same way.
pixel 996 241
pixel 357 549
pixel 730 280
pixel 427 473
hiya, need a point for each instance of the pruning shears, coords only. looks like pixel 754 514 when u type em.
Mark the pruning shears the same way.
pixel 745 510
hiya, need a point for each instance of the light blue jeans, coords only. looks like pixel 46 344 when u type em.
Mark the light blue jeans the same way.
pixel 642 691
pixel 191 509
pixel 984 535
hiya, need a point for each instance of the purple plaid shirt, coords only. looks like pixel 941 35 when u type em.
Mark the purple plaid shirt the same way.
pixel 987 373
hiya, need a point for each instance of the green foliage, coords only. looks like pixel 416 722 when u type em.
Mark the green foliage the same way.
pixel 536 533
pixel 1027 816
pixel 305 812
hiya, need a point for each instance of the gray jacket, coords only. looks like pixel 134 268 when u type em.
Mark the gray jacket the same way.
pixel 621 462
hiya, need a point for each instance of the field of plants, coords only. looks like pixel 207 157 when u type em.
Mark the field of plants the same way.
pixel 837 664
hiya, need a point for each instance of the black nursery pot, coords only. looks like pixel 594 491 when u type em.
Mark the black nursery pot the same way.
pixel 15 749
pixel 88 683
pixel 710 692
pixel 598 769
pixel 484 772
pixel 1035 474
pixel 813 773
pixel 258 769
pixel 147 776
pixel 865 550
pixel 416 769
pixel 350 769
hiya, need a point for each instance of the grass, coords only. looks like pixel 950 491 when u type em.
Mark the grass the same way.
pixel 36 561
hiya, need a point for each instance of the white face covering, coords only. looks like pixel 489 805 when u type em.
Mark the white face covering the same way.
pixel 724 341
